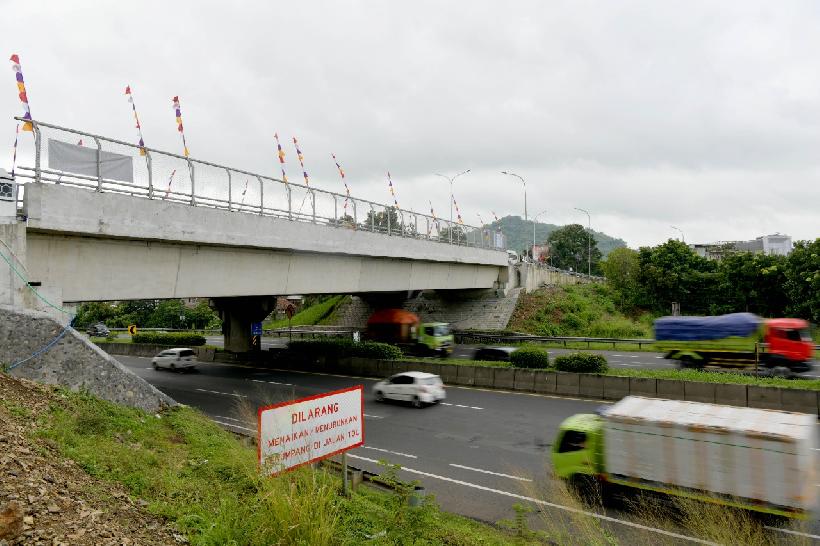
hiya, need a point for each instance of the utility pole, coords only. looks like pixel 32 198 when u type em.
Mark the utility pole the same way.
pixel 589 242
pixel 451 180
pixel 525 190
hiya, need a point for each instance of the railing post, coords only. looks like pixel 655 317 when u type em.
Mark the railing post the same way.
pixel 335 211
pixel 149 166
pixel 38 143
pixel 261 196
pixel 230 190
pixel 355 216
pixel 387 212
pixel 290 201
pixel 99 165
pixel 313 202
pixel 401 222
pixel 193 185
pixel 372 219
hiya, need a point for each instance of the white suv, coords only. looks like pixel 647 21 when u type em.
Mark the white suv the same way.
pixel 416 387
pixel 175 359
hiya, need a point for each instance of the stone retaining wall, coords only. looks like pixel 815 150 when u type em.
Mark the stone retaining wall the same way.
pixel 73 361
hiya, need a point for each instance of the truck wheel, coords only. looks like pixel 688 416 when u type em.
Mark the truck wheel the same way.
pixel 781 371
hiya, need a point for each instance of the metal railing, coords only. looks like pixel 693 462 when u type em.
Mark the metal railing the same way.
pixel 487 337
pixel 175 178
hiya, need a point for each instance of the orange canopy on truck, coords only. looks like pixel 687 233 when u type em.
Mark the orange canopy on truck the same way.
pixel 392 316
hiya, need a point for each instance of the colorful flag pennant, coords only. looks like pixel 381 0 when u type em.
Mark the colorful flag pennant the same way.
pixel 342 174
pixel 281 154
pixel 480 219
pixel 435 220
pixel 21 92
pixel 170 181
pixel 244 192
pixel 494 216
pixel 301 162
pixel 137 119
pixel 458 212
pixel 392 190
pixel 179 125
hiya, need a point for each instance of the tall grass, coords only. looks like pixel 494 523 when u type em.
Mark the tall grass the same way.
pixel 320 313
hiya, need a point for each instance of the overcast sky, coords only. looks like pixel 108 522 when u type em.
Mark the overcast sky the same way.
pixel 702 115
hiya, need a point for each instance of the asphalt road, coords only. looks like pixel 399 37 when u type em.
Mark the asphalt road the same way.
pixel 479 453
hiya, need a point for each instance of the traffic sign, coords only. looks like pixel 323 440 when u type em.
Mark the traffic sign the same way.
pixel 132 329
pixel 256 328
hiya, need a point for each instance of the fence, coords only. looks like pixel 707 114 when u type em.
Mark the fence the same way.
pixel 98 163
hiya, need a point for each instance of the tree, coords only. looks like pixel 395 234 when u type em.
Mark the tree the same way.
pixel 752 282
pixel 380 221
pixel 570 247
pixel 621 269
pixel 803 280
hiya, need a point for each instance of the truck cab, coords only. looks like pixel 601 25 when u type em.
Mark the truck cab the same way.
pixel 436 337
pixel 788 341
pixel 578 449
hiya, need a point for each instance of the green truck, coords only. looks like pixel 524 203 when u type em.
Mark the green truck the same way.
pixel 405 329
pixel 748 458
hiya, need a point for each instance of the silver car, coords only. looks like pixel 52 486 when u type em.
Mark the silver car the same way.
pixel 418 388
pixel 175 359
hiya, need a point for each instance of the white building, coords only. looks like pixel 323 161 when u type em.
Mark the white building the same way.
pixel 775 245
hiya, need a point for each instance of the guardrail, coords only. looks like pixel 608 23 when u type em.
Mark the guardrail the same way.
pixel 482 337
pixel 105 164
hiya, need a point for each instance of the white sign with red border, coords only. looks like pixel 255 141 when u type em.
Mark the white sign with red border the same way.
pixel 306 430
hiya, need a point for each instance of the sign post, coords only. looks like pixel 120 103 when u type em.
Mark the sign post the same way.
pixel 290 310
pixel 307 430
pixel 132 329
pixel 256 336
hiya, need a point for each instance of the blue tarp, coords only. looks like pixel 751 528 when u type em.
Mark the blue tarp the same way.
pixel 706 328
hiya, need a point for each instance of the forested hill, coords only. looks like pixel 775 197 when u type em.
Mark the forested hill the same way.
pixel 519 234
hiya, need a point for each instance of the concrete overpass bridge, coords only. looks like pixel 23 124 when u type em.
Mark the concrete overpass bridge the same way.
pixel 90 222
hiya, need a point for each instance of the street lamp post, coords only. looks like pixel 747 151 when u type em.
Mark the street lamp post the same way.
pixel 525 190
pixel 682 238
pixel 535 221
pixel 589 242
pixel 451 180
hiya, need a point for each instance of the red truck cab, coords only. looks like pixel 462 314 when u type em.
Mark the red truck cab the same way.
pixel 789 339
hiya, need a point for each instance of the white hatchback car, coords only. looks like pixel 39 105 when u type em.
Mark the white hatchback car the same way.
pixel 416 387
pixel 175 359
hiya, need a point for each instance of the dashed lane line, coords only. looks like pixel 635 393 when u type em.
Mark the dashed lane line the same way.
pixel 373 416
pixel 273 382
pixel 460 406
pixel 233 425
pixel 223 393
pixel 546 503
pixel 490 472
pixel 400 454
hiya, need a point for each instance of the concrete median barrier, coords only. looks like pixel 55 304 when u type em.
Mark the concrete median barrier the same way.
pixel 449 373
pixel 568 383
pixel 671 389
pixel 466 375
pixel 524 380
pixel 484 377
pixel 545 382
pixel 591 386
pixel 641 386
pixel 615 388
pixel 385 368
pixel 695 391
pixel 799 400
pixel 764 397
pixel 731 395
pixel 369 367
pixel 504 378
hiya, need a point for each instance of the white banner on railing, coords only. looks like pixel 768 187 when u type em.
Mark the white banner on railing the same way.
pixel 77 159
pixel 303 431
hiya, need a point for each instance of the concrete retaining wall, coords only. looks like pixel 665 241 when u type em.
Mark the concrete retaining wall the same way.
pixel 73 361
pixel 605 387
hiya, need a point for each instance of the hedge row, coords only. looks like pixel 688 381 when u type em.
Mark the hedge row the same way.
pixel 175 339
pixel 581 363
pixel 528 357
pixel 343 348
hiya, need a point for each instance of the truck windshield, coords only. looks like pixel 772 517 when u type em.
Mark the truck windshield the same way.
pixel 797 335
pixel 441 330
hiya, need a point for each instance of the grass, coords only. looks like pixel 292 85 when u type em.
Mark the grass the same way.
pixel 320 313
pixel 206 481
pixel 582 310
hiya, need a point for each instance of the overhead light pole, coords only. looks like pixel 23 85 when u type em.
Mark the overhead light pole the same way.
pixel 525 190
pixel 682 238
pixel 535 221
pixel 589 241
pixel 451 179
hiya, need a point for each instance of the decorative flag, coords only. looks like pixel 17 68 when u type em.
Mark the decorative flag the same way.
pixel 301 162
pixel 435 220
pixel 392 190
pixel 21 91
pixel 170 180
pixel 80 142
pixel 480 219
pixel 179 126
pixel 458 212
pixel 137 119
pixel 494 216
pixel 342 174
pixel 14 157
pixel 281 157
pixel 244 192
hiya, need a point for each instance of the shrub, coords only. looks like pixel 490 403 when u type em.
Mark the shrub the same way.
pixel 581 363
pixel 342 348
pixel 176 339
pixel 530 358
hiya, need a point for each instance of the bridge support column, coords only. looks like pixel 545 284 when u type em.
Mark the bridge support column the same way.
pixel 237 314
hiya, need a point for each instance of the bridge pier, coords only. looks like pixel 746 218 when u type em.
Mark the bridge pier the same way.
pixel 237 314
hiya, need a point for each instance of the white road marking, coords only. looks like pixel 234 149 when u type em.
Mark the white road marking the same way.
pixel 789 531
pixel 460 405
pixel 616 355
pixel 545 503
pixel 223 393
pixel 660 357
pixel 228 418
pixel 630 365
pixel 490 472
pixel 373 416
pixel 391 452
pixel 232 425
pixel 272 382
